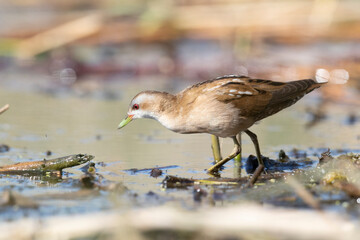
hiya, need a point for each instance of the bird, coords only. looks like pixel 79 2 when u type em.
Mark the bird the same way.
pixel 224 107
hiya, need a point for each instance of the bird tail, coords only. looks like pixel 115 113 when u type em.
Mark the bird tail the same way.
pixel 336 76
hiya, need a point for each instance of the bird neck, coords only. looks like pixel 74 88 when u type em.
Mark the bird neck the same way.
pixel 166 109
pixel 166 104
pixel 156 104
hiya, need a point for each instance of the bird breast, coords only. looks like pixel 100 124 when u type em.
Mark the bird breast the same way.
pixel 206 115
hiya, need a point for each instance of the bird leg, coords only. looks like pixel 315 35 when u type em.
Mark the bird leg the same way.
pixel 238 157
pixel 234 153
pixel 215 146
pixel 261 166
pixel 237 160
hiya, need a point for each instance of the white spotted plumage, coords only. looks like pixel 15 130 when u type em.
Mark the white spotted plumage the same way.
pixel 245 92
pixel 237 80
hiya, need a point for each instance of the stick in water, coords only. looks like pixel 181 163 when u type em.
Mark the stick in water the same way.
pixel 4 108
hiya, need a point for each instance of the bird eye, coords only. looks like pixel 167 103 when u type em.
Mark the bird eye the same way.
pixel 135 106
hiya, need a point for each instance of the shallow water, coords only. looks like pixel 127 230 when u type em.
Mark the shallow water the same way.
pixel 38 122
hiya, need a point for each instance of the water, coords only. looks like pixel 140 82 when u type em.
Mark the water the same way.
pixel 66 124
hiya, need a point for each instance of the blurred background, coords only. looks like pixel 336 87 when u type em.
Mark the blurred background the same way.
pixel 189 40
pixel 69 68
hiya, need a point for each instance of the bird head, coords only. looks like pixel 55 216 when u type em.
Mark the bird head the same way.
pixel 146 104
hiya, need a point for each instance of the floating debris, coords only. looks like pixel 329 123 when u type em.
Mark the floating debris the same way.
pixel 10 198
pixel 350 189
pixel 176 182
pixel 4 108
pixel 252 163
pixel 88 168
pixel 179 182
pixel 304 193
pixel 136 170
pixel 355 158
pixel 283 157
pixel 222 181
pixel 325 157
pixel 101 164
pixel 199 193
pixel 298 153
pixel 152 194
pixel 276 166
pixel 155 172
pixel 88 180
pixel 92 179
pixel 352 119
pixel 4 148
pixel 332 177
pixel 57 164
pixel 91 168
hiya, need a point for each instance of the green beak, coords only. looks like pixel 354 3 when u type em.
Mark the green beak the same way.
pixel 125 121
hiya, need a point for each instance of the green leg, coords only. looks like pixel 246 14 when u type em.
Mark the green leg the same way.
pixel 215 146
pixel 238 157
pixel 261 166
pixel 254 139
pixel 235 152
pixel 237 160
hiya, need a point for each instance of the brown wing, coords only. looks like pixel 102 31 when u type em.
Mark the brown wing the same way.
pixel 288 91
pixel 224 89
pixel 240 92
pixel 256 98
pixel 259 98
pixel 284 95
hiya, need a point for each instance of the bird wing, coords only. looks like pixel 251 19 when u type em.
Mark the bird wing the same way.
pixel 283 92
pixel 242 94
pixel 261 98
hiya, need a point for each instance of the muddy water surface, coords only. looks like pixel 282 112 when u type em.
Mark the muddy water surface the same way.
pixel 38 122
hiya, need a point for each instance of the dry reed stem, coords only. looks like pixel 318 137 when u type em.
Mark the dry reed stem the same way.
pixel 303 193
pixel 4 108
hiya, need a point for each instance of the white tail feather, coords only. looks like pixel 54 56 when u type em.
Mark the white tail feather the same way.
pixel 336 76
pixel 322 75
pixel 339 76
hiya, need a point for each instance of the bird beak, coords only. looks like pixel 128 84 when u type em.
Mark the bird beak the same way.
pixel 125 121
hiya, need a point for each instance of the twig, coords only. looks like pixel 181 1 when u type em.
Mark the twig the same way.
pixel 46 165
pixel 350 189
pixel 4 108
pixel 135 170
pixel 173 181
pixel 255 176
pixel 304 194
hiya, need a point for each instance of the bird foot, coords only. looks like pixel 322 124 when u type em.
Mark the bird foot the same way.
pixel 215 168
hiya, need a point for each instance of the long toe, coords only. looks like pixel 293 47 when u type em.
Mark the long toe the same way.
pixel 217 165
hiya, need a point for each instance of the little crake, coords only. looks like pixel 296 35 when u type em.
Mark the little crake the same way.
pixel 224 107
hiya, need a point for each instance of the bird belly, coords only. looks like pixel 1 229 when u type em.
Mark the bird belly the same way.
pixel 223 121
pixel 229 128
pixel 213 117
